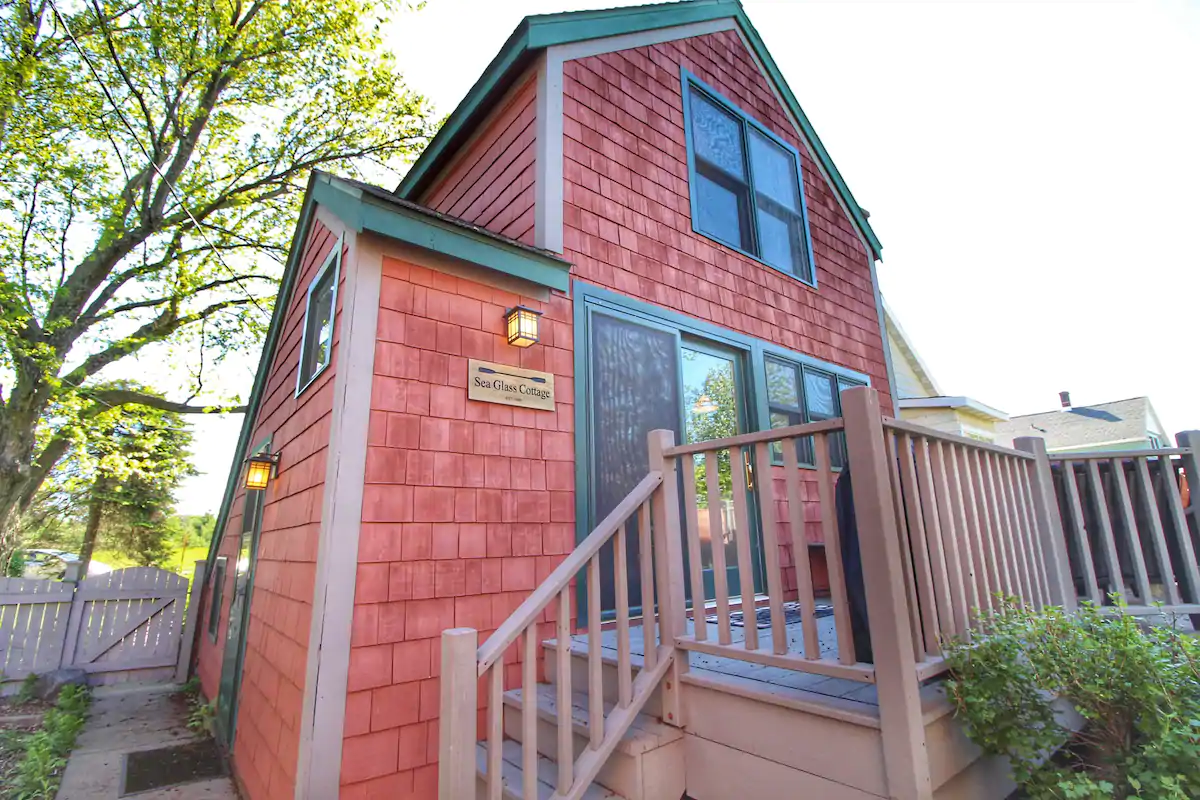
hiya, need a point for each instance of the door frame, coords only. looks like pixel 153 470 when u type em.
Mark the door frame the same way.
pixel 226 719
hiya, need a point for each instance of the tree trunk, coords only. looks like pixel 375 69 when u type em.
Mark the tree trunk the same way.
pixel 95 515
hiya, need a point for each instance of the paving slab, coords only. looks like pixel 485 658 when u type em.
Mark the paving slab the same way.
pixel 124 719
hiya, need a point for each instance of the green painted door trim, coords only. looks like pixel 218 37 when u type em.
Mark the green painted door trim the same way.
pixel 548 30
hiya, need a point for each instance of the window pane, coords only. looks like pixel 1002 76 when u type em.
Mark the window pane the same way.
pixel 782 387
pixel 778 240
pixel 818 394
pixel 323 325
pixel 717 136
pixel 774 171
pixel 782 419
pixel 720 212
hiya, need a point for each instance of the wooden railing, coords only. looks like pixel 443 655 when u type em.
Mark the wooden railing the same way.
pixel 773 457
pixel 1126 529
pixel 645 512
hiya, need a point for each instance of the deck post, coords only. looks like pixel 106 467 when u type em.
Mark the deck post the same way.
pixel 1049 523
pixel 905 757
pixel 457 725
pixel 668 552
pixel 1191 470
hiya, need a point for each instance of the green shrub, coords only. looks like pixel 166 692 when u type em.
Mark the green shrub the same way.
pixel 1137 691
pixel 46 750
pixel 16 565
pixel 28 690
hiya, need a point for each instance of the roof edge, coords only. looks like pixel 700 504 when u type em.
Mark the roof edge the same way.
pixel 538 32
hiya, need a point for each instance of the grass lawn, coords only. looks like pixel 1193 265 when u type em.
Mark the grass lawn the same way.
pixel 177 560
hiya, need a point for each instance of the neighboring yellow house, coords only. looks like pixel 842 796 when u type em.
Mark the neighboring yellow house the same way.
pixel 920 400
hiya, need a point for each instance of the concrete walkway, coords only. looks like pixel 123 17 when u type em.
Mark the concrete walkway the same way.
pixel 124 719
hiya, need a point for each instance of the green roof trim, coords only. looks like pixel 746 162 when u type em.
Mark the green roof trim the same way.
pixel 547 30
pixel 369 208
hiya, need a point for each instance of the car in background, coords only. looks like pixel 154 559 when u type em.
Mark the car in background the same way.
pixel 52 564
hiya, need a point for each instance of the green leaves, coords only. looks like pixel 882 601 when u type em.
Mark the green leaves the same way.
pixel 154 155
pixel 1134 691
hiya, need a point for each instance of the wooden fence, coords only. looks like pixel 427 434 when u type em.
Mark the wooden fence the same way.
pixel 128 624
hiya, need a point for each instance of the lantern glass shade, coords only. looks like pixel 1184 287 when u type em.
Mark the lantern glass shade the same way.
pixel 258 471
pixel 522 326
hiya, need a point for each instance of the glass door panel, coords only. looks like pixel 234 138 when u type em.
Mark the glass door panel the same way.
pixel 713 408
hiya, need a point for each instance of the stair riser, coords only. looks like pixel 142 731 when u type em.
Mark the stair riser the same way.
pixel 656 774
pixel 579 680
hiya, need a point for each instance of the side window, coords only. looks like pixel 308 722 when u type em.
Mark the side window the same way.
pixel 745 185
pixel 218 592
pixel 798 393
pixel 317 347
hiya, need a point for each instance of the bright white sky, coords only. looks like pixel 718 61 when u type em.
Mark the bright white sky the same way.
pixel 1032 169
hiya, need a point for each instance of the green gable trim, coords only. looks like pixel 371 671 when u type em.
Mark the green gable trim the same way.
pixel 365 212
pixel 548 30
pixel 287 284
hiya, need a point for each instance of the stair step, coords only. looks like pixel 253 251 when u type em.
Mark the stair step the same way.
pixel 646 733
pixel 608 658
pixel 512 775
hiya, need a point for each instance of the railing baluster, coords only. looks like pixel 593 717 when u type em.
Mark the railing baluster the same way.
pixel 967 482
pixel 595 656
pixel 649 613
pixel 933 534
pixel 716 533
pixel 954 543
pixel 495 785
pixel 1116 581
pixel 741 518
pixel 914 610
pixel 804 581
pixel 621 585
pixel 1079 528
pixel 691 532
pixel 1033 539
pixel 1170 480
pixel 1159 539
pixel 566 733
pixel 1012 522
pixel 1129 522
pixel 999 536
pixel 920 548
pixel 529 713
pixel 833 552
pixel 770 545
pixel 987 537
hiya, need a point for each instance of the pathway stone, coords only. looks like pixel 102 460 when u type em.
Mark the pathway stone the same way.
pixel 124 719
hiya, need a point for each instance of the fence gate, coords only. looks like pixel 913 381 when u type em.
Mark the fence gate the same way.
pixel 127 624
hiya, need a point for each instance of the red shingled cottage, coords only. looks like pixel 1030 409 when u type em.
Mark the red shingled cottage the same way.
pixel 644 181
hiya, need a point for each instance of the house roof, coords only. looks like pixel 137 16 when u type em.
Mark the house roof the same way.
pixel 540 31
pixel 364 207
pixel 1120 421
pixel 909 353
pixel 968 404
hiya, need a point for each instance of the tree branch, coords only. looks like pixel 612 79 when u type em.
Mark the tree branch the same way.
pixel 124 397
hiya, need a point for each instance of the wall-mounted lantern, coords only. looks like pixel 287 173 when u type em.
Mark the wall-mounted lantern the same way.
pixel 260 468
pixel 522 326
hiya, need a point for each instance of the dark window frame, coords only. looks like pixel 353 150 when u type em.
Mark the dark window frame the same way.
pixel 803 413
pixel 220 571
pixel 807 270
pixel 330 270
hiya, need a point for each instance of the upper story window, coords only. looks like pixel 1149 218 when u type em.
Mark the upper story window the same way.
pixel 800 393
pixel 316 350
pixel 745 183
pixel 1155 442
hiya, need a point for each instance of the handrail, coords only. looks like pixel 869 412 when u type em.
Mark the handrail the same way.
pixel 1108 455
pixel 932 433
pixel 561 577
pixel 757 437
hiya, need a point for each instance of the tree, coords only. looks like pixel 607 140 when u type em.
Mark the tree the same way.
pixel 153 154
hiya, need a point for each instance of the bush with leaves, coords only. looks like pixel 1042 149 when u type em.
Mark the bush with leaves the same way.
pixel 1137 690
pixel 38 774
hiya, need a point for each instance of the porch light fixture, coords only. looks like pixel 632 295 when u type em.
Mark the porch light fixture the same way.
pixel 260 468
pixel 522 326
pixel 704 405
